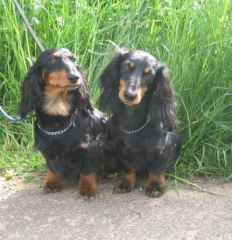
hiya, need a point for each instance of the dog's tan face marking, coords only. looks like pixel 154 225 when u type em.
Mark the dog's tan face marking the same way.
pixel 58 79
pixel 139 97
pixel 55 93
pixel 63 71
pixel 62 53
pixel 148 71
pixel 60 76
pixel 57 54
pixel 130 65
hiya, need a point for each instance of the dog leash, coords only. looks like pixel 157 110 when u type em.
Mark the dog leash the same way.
pixel 18 119
pixel 28 25
pixel 11 119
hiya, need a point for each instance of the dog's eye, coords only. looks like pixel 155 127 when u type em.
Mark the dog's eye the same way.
pixel 147 71
pixel 130 65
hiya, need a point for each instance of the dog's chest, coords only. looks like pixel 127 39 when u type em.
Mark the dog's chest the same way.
pixel 147 140
pixel 56 106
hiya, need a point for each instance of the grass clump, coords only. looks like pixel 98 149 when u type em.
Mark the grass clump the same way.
pixel 192 37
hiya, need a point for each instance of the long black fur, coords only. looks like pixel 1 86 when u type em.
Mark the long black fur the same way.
pixel 77 151
pixel 155 148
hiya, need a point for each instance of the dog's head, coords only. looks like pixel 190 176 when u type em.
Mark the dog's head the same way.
pixel 131 76
pixel 54 74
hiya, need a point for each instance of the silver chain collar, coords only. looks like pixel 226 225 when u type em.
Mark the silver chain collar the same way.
pixel 59 132
pixel 134 131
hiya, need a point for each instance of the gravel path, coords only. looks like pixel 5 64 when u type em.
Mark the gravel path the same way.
pixel 182 213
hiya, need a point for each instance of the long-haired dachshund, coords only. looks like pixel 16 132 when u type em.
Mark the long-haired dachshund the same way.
pixel 67 128
pixel 136 89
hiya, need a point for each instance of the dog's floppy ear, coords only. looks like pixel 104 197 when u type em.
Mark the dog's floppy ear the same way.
pixel 162 105
pixel 162 83
pixel 31 91
pixel 83 98
pixel 110 79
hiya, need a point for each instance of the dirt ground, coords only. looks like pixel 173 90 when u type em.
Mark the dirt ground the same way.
pixel 182 213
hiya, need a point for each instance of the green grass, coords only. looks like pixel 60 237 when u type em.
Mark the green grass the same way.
pixel 194 38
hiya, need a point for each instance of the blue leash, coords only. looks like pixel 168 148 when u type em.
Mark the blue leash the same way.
pixel 11 119
pixel 18 119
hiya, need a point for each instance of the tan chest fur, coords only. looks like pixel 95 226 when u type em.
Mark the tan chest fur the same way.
pixel 56 102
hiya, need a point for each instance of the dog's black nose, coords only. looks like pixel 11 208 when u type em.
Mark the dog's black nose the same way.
pixel 130 95
pixel 73 78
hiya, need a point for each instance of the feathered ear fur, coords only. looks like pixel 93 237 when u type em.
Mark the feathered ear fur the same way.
pixel 110 80
pixel 162 83
pixel 162 105
pixel 31 91
pixel 83 95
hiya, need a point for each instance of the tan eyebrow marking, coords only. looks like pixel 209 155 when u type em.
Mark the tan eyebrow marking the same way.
pixel 130 64
pixel 62 54
pixel 147 71
pixel 56 54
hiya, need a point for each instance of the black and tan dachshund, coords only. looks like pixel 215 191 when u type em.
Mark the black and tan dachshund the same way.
pixel 67 128
pixel 137 91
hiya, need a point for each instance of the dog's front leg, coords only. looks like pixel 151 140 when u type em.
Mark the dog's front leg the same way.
pixel 156 184
pixel 127 184
pixel 88 185
pixel 52 182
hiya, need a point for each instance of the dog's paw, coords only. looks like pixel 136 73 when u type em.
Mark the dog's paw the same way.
pixel 154 192
pixel 88 186
pixel 88 191
pixel 52 188
pixel 122 187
